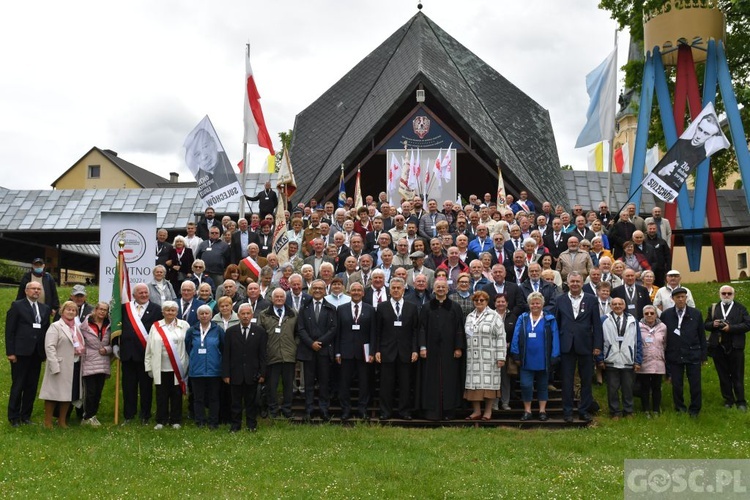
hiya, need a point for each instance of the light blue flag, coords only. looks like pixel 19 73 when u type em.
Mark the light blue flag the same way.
pixel 601 85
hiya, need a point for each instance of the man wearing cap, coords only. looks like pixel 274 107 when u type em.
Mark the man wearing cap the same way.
pixel 663 299
pixel 49 288
pixel 417 259
pixel 685 351
pixel 78 295
pixel 728 321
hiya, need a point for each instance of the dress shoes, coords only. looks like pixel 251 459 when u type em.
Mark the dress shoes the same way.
pixel 27 421
pixel 287 414
pixel 525 417
pixel 346 415
pixel 15 423
pixel 568 419
pixel 543 417
pixel 585 417
pixel 326 416
pixel 234 429
pixel 363 415
pixel 505 407
pixel 308 416
pixel 742 408
pixel 384 416
pixel 406 416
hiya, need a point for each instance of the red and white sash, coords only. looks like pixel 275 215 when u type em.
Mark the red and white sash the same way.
pixel 252 266
pixel 135 320
pixel 171 349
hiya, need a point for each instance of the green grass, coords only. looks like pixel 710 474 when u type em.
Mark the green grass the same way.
pixel 286 460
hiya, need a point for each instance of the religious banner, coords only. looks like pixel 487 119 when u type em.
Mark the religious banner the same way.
pixel 207 160
pixel 702 139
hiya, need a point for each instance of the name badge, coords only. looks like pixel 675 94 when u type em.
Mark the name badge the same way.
pixel 356 327
pixel 532 335
pixel 254 320
pixel 201 350
pixel 450 282
pixel 631 306
pixel 37 325
pixel 396 323
pixel 676 331
pixel 209 249
pixel 620 338
pixel 649 340
pixel 277 330
pixel 433 227
pixel 264 247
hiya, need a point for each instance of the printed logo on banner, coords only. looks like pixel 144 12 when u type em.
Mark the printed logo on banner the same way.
pixel 421 126
pixel 135 245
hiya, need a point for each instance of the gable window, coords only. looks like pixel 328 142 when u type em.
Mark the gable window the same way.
pixel 95 171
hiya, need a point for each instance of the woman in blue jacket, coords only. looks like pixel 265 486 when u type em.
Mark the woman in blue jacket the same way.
pixel 536 347
pixel 204 344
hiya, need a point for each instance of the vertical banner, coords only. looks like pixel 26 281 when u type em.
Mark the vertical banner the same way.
pixel 207 160
pixel 138 229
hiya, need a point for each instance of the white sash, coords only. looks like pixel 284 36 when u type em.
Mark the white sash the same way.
pixel 171 349
pixel 135 320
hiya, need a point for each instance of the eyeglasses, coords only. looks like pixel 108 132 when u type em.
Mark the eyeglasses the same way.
pixel 198 267
pixel 727 293
pixel 649 314
pixel 480 300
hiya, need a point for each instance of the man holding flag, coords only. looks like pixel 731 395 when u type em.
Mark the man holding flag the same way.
pixel 287 186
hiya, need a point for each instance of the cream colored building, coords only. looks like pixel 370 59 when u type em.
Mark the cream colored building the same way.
pixel 104 169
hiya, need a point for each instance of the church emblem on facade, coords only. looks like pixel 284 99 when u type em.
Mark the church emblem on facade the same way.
pixel 421 126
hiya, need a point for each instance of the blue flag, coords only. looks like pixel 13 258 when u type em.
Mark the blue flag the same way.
pixel 601 85
pixel 342 190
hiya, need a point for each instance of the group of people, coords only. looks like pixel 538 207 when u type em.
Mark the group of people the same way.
pixel 435 307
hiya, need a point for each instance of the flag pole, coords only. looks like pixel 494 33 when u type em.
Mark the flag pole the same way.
pixel 243 178
pixel 612 141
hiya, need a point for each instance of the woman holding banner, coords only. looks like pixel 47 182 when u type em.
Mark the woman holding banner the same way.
pixel 166 362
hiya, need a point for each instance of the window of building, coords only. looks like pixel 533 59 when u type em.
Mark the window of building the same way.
pixel 95 171
pixel 741 260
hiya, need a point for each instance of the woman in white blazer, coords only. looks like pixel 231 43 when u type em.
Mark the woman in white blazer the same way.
pixel 158 364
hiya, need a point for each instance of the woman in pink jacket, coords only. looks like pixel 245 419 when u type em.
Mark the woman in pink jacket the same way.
pixel 96 360
pixel 654 337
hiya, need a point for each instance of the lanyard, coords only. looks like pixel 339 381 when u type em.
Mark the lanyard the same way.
pixel 726 313
pixel 203 334
pixel 534 323
pixel 680 317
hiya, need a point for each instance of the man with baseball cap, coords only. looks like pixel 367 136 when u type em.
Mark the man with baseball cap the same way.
pixel 49 288
pixel 663 299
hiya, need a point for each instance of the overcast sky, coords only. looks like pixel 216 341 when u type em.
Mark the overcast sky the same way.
pixel 137 76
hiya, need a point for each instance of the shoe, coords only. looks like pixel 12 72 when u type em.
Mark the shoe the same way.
pixel 287 414
pixel 486 418
pixel 495 406
pixel 693 415
pixel 363 415
pixel 742 408
pixel 308 416
pixel 383 417
pixel 543 417
pixel 264 414
pixel 568 419
pixel 95 422
pixel 525 417
pixel 478 416
pixel 144 421
pixel 505 407
pixel 176 426
pixel 551 388
pixel 27 421
pixel 273 415
pixel 15 423
pixel 126 422
pixel 585 417
pixel 252 429
pixel 326 416
pixel 158 427
pixel 406 416
pixel 346 415
pixel 86 421
pixel 728 405
pixel 615 418
pixel 234 428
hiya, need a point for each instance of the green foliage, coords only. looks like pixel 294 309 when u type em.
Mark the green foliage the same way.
pixel 566 167
pixel 286 142
pixel 630 14
pixel 300 461
pixel 10 273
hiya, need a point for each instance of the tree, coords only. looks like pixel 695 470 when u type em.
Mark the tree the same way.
pixel 566 167
pixel 286 142
pixel 629 13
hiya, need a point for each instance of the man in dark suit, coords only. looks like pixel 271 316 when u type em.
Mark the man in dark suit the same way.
pixel 295 297
pixel 556 240
pixel 206 222
pixel 267 200
pixel 535 283
pixel 515 270
pixel 240 240
pixel 187 306
pixel 244 367
pixel 636 297
pixel 686 350
pixel 581 339
pixel 397 325
pixel 516 298
pixel 137 318
pixel 355 345
pixel 25 326
pixel 49 288
pixel 317 331
pixel 728 321
pixel 498 249
pixel 257 302
pixel 163 247
pixel 318 257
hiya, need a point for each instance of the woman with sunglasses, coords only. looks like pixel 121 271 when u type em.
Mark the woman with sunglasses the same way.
pixel 653 366
pixel 485 356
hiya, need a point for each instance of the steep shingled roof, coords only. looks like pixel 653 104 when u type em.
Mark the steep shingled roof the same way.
pixel 503 121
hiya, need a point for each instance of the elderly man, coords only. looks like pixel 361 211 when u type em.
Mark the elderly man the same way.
pixel 663 228
pixel 215 255
pixel 728 321
pixel 364 275
pixel 78 295
pixel 267 200
pixel 25 326
pixel 317 332
pixel 686 350
pixel 418 268
pixel 163 248
pixel 49 288
pixel 240 240
pixel 636 297
pixel 244 367
pixel 605 265
pixel 662 255
pixel 137 318
pixel 189 303
pixel 428 222
pixel 556 239
pixel 663 299
pixel 377 292
pixel 580 341
pixel 454 266
pixel 574 260
pixel 318 257
pixel 280 322
pixel 483 242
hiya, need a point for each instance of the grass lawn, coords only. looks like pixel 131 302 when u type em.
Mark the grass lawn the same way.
pixel 367 460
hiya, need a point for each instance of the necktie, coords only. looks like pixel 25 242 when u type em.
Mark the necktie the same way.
pixel 617 323
pixel 380 297
pixel 278 312
pixel 244 332
pixel 630 293
pixel 185 310
pixel 317 310
pixel 296 303
pixel 398 310
pixel 536 286
pixel 139 309
pixel 356 313
pixel 37 316
pixel 557 238
pixel 658 227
